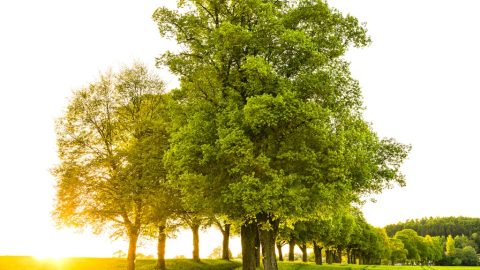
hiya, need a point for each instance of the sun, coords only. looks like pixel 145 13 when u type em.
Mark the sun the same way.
pixel 50 254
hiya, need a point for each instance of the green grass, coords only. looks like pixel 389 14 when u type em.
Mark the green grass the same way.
pixel 312 266
pixel 29 263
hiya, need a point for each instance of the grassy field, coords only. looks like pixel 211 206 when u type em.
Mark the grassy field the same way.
pixel 311 266
pixel 29 263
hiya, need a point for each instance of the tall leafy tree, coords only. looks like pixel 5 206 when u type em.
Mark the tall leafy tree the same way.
pixel 273 126
pixel 435 248
pixel 111 141
pixel 450 246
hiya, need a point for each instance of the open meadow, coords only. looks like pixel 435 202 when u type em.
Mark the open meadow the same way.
pixel 31 263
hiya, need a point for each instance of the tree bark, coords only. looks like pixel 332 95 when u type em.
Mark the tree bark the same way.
pixel 328 255
pixel 291 250
pixel 317 251
pixel 279 249
pixel 268 238
pixel 303 248
pixel 132 250
pixel 248 233
pixel 351 257
pixel 338 257
pixel 257 246
pixel 196 240
pixel 226 238
pixel 162 239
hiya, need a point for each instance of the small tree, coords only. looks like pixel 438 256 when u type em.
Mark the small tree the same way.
pixel 119 254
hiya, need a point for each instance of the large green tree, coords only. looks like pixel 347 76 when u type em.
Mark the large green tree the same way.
pixel 412 243
pixel 272 127
pixel 111 141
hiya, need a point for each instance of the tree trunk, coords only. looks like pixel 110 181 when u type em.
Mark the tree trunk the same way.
pixel 291 250
pixel 329 256
pixel 279 249
pixel 338 257
pixel 196 240
pixel 162 239
pixel 267 239
pixel 248 234
pixel 317 251
pixel 303 248
pixel 226 238
pixel 257 246
pixel 132 250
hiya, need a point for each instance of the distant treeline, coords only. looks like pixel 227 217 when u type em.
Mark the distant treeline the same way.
pixel 438 226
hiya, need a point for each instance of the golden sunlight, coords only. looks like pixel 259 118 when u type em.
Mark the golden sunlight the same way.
pixel 62 243
pixel 51 253
pixel 56 244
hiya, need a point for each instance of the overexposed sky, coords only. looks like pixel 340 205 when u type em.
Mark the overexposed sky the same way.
pixel 419 80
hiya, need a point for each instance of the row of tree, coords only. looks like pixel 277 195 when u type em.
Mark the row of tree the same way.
pixel 265 131
pixel 348 238
pixel 343 237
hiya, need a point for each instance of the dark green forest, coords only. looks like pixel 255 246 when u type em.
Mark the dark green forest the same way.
pixel 438 226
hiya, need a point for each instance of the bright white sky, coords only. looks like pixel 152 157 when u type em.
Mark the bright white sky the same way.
pixel 419 81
